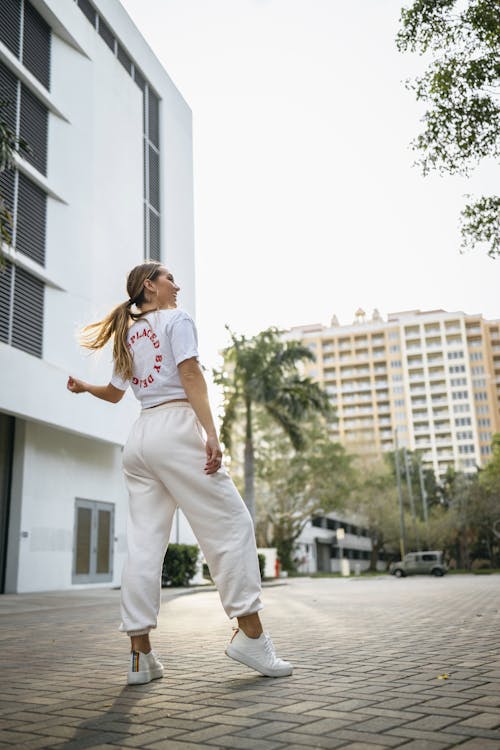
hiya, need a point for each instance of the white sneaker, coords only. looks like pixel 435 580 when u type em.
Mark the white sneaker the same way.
pixel 259 654
pixel 144 668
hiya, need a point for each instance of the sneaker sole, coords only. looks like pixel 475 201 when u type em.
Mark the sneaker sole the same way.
pixel 253 664
pixel 142 678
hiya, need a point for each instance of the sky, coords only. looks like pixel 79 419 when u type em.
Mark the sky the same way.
pixel 306 200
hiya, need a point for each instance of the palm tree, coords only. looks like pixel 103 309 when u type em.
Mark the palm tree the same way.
pixel 263 371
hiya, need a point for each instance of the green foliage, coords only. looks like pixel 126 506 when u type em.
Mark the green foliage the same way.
pixel 480 223
pixel 295 485
pixel 179 564
pixel 263 370
pixel 262 564
pixel 490 475
pixel 9 145
pixel 374 499
pixel 261 374
pixel 461 124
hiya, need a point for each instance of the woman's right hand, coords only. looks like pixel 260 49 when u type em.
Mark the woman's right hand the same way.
pixel 75 386
pixel 214 454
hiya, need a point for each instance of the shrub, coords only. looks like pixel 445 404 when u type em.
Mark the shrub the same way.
pixel 179 564
pixel 262 564
pixel 480 564
pixel 262 567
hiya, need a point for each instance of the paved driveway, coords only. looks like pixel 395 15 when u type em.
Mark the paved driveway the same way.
pixel 368 655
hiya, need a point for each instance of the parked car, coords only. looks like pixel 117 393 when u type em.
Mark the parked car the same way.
pixel 428 561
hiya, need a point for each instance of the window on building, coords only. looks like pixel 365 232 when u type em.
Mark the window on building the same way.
pixel 484 422
pixel 468 448
pixel 396 363
pixel 475 356
pixel 460 408
pixel 482 409
pixel 486 450
pixel 485 436
pixel 457 395
pixel 455 355
pixel 481 396
pixel 399 402
pixel 458 381
pixel 465 435
pixel 463 421
pixel 457 368
pixel 478 370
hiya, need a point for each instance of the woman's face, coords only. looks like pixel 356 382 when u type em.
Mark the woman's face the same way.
pixel 165 293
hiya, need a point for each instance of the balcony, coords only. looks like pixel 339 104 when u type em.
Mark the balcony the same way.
pixel 414 390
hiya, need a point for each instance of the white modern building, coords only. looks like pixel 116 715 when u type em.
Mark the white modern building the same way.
pixel 108 183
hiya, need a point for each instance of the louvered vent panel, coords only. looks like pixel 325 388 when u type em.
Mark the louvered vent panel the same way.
pixel 154 236
pixel 88 11
pixel 34 124
pixel 31 216
pixel 5 297
pixel 36 44
pixel 27 323
pixel 154 121
pixel 8 93
pixel 154 178
pixel 106 33
pixel 124 59
pixel 10 24
pixel 140 80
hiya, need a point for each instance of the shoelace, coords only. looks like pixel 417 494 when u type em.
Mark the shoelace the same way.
pixel 269 646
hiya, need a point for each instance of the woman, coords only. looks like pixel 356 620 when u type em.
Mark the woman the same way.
pixel 169 462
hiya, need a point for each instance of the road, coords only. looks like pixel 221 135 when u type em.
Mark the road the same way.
pixel 379 663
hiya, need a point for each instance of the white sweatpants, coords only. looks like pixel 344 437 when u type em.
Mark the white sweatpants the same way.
pixel 163 462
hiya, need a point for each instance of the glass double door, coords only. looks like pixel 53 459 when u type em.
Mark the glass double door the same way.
pixel 93 542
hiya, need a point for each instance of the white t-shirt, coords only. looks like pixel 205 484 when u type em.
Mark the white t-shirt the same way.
pixel 158 342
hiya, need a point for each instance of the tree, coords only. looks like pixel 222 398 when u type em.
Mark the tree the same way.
pixel 9 146
pixel 375 500
pixel 460 87
pixel 263 371
pixel 295 485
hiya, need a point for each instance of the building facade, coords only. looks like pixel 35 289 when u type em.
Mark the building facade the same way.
pixel 107 183
pixel 319 550
pixel 431 378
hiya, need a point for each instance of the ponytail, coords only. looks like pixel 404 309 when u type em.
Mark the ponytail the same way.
pixel 116 324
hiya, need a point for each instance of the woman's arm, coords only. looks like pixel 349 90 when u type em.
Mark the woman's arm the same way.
pixel 195 387
pixel 106 392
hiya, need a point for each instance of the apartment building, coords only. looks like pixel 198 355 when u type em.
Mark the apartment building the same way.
pixel 431 378
pixel 108 182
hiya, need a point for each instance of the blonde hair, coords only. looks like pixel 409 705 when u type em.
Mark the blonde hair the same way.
pixel 119 320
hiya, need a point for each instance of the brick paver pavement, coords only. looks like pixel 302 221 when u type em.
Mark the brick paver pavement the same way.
pixel 368 655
